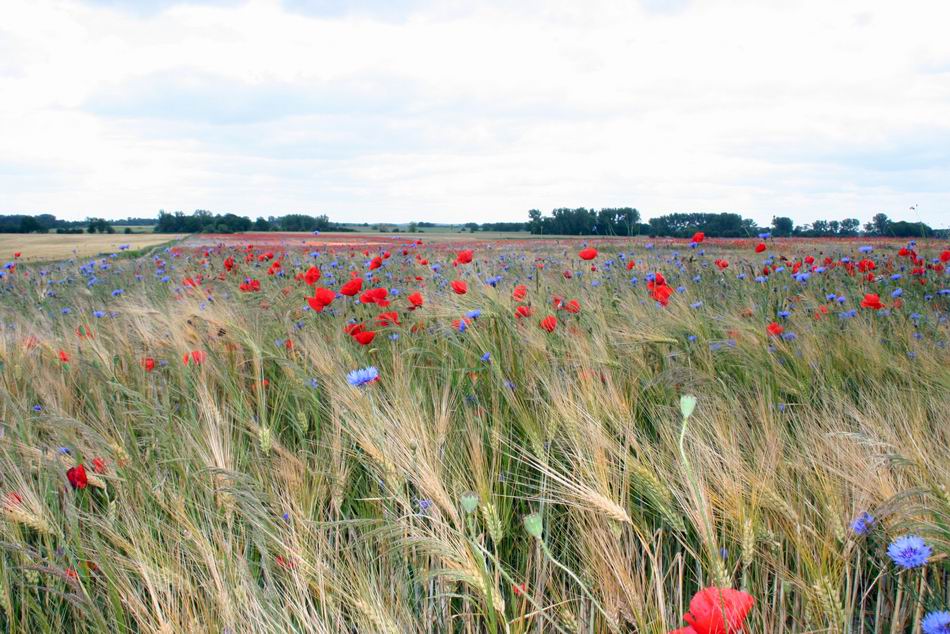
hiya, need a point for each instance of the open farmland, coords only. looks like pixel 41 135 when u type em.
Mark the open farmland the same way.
pixel 57 246
pixel 349 433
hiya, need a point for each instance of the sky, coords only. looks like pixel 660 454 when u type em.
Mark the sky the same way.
pixel 453 111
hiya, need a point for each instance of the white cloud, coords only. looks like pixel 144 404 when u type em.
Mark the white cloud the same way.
pixel 453 112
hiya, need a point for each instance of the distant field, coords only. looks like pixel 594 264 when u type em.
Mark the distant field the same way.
pixel 56 246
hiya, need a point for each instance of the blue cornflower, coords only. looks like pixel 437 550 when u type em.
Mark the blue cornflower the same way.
pixel 848 314
pixel 425 505
pixel 789 336
pixel 897 292
pixel 691 338
pixel 784 314
pixel 474 314
pixel 37 408
pixel 896 277
pixel 314 383
pixel 781 407
pixel 867 248
pixel 696 304
pixel 830 297
pixel 936 623
pixel 286 517
pixel 98 314
pixel 680 289
pixel 486 357
pixel 909 551
pixel 765 236
pixel 862 523
pixel 509 384
pixel 66 310
pixel 363 376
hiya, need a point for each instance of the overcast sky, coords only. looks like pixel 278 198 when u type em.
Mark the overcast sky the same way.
pixel 398 110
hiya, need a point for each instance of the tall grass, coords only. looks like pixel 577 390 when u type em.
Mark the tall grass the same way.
pixel 260 492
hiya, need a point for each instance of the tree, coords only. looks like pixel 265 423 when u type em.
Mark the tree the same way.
pixel 413 227
pixel 29 224
pixel 904 229
pixel 849 226
pixel 535 217
pixel 782 226
pixel 879 225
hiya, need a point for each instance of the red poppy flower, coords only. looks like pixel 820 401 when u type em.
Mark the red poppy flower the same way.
pixel 196 357
pixel 16 254
pixel 365 337
pixel 353 329
pixel 717 611
pixel 520 292
pixel 760 247
pixel 77 477
pixel 872 301
pixel 311 276
pixel 464 257
pixel 322 298
pixel 64 356
pixel 375 296
pixel 587 254
pixel 98 465
pixel 945 256
pixel 523 311
pixel 573 306
pixel 149 364
pixel 775 329
pixel 549 323
pixel 722 264
pixel 415 300
pixel 568 275
pixel 698 237
pixel 250 286
pixel 352 287
pixel 460 287
pixel 375 263
pixel 519 588
pixel 388 319
pixel 229 263
pixel 659 291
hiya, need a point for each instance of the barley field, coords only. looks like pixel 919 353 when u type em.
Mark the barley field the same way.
pixel 35 247
pixel 276 433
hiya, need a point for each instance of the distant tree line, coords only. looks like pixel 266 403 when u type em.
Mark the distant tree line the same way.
pixel 611 221
pixel 625 221
pixel 203 221
pixel 46 223
pixel 880 225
